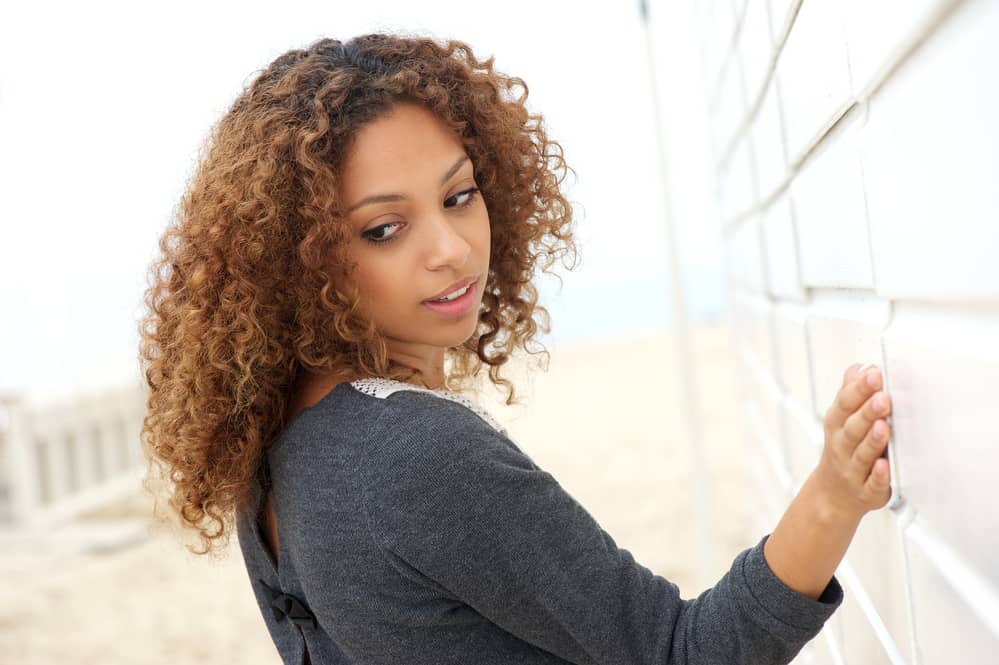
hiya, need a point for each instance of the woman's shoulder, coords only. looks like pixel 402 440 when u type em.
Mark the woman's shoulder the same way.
pixel 391 442
pixel 432 443
pixel 406 400
pixel 378 416
pixel 420 431
pixel 378 435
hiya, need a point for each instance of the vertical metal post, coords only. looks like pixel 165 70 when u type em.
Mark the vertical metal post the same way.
pixel 681 333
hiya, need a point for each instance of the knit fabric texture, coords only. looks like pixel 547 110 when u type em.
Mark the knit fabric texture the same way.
pixel 412 530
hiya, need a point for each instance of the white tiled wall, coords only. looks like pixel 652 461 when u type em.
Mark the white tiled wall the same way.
pixel 844 326
pixel 780 248
pixel 768 141
pixel 945 364
pixel 931 175
pixel 814 74
pixel 954 610
pixel 857 153
pixel 828 198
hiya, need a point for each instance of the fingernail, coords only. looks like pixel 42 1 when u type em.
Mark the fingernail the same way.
pixel 878 404
pixel 872 378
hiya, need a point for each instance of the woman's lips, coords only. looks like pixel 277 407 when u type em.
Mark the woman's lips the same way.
pixel 458 306
pixel 454 287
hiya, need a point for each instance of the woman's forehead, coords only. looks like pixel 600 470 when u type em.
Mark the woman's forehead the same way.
pixel 401 149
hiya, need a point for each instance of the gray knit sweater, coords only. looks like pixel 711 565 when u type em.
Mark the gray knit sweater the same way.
pixel 413 531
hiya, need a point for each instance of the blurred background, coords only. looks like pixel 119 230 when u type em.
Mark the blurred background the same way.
pixel 765 192
pixel 105 106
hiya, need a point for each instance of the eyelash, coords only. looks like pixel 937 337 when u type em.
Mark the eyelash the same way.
pixel 472 192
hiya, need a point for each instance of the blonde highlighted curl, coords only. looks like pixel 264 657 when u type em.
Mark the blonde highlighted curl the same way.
pixel 252 285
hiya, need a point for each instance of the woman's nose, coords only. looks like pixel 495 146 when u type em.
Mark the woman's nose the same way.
pixel 447 248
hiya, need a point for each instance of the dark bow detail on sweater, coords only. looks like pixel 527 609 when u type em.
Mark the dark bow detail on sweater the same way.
pixel 286 605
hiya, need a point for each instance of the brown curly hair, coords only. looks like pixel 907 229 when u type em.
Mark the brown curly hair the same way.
pixel 253 282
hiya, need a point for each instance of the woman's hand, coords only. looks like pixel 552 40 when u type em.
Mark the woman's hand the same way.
pixel 851 479
pixel 852 474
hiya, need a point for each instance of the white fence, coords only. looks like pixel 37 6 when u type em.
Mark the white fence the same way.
pixel 857 151
pixel 61 459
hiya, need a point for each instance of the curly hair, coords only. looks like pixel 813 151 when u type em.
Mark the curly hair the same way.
pixel 252 285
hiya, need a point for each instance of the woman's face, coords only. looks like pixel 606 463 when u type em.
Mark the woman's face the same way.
pixel 419 227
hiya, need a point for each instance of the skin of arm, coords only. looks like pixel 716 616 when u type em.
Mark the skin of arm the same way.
pixel 851 479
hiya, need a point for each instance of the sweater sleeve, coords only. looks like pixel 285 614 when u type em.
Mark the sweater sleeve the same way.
pixel 460 503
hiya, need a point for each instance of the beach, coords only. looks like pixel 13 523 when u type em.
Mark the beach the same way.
pixel 607 420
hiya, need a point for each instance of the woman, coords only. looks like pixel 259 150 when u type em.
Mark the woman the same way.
pixel 359 239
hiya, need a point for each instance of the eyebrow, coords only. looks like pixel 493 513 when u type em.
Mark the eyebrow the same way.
pixel 385 198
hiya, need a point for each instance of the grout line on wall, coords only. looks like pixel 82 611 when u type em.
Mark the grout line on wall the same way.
pixel 864 107
pixel 834 648
pixel 852 582
pixel 903 511
pixel 798 272
pixel 966 582
pixel 730 142
pixel 905 516
pixel 836 125
pixel 730 56
pixel 896 503
pixel 770 199
pixel 785 30
pixel 760 206
pixel 715 86
pixel 908 47
pixel 840 119
pixel 755 98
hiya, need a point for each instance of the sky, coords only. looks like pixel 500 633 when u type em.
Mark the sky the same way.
pixel 103 107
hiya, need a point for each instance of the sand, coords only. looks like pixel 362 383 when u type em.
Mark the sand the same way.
pixel 606 420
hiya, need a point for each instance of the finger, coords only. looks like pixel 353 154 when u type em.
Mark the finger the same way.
pixel 827 420
pixel 851 396
pixel 877 487
pixel 872 447
pixel 850 372
pixel 858 424
pixel 853 370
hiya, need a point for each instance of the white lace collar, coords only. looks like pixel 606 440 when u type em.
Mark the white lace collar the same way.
pixel 382 388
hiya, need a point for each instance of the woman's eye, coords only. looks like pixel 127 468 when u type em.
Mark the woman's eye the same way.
pixel 386 232
pixel 467 197
pixel 377 235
